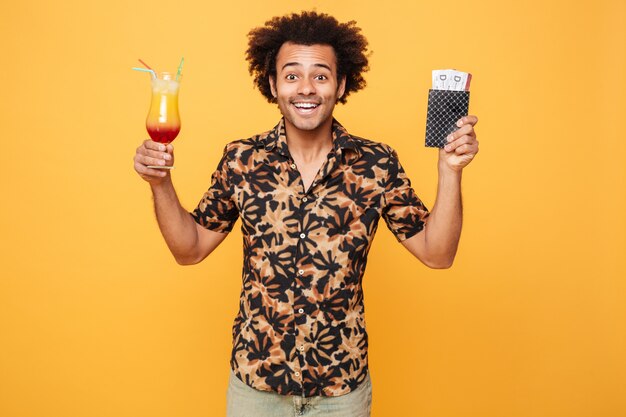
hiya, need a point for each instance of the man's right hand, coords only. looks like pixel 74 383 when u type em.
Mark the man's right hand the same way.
pixel 153 153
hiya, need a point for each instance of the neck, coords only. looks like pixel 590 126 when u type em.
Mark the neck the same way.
pixel 309 145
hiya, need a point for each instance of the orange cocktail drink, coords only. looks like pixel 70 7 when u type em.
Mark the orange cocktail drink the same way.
pixel 163 122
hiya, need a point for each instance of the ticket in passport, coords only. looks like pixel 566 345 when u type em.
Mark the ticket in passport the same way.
pixel 448 101
pixel 451 79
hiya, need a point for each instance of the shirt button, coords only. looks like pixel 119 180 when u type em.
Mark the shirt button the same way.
pixel 300 310
pixel 293 166
pixel 302 235
pixel 301 272
pixel 305 199
pixel 296 373
pixel 302 348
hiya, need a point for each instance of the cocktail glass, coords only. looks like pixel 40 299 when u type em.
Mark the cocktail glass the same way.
pixel 163 121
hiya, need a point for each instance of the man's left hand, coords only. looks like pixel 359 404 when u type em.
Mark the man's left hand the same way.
pixel 462 145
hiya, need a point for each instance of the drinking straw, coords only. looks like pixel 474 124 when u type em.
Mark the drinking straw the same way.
pixel 145 65
pixel 180 68
pixel 145 70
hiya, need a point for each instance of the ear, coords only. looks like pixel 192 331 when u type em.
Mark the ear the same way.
pixel 341 88
pixel 273 85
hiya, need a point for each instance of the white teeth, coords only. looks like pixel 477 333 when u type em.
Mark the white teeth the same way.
pixel 305 105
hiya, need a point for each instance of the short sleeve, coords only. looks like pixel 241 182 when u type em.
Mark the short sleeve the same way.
pixel 403 211
pixel 217 210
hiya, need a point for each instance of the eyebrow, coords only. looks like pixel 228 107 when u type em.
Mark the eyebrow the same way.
pixel 297 64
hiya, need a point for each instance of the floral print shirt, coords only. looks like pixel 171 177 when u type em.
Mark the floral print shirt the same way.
pixel 300 329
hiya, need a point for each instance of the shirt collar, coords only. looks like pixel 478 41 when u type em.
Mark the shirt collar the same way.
pixel 342 141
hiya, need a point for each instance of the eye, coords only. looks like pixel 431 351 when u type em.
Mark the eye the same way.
pixel 291 77
pixel 321 77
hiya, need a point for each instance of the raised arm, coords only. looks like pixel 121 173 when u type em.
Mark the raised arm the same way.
pixel 437 244
pixel 189 242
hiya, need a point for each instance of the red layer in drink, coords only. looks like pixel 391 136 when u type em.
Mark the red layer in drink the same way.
pixel 163 134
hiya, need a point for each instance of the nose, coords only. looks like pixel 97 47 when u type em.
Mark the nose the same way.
pixel 306 87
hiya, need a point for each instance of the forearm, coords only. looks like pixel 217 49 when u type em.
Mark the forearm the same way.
pixel 176 224
pixel 443 229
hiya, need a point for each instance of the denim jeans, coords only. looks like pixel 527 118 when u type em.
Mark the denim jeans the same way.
pixel 244 401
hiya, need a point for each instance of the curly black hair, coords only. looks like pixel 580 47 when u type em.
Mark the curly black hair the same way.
pixel 308 28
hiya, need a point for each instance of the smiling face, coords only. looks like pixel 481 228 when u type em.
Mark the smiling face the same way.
pixel 306 85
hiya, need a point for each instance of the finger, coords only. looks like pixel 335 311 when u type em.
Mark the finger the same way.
pixel 150 144
pixel 149 173
pixel 146 160
pixel 465 130
pixel 466 149
pixel 470 119
pixel 169 149
pixel 155 154
pixel 460 141
pixel 460 150
pixel 456 136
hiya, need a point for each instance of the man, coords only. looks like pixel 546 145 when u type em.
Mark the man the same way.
pixel 309 196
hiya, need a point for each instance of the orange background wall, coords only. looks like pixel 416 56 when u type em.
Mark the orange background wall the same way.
pixel 97 319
